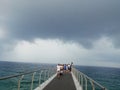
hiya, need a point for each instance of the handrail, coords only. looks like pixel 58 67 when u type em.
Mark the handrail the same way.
pixel 81 76
pixel 40 72
pixel 12 76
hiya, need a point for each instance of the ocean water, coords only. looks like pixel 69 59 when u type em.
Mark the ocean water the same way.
pixel 108 77
pixel 15 68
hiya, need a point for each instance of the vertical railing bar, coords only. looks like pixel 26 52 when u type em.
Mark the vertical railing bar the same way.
pixel 40 77
pixel 45 75
pixel 32 80
pixel 19 81
pixel 78 77
pixel 85 83
pixel 81 78
pixel 48 73
pixel 76 73
pixel 82 81
pixel 93 88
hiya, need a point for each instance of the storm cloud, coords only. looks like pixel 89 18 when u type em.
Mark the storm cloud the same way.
pixel 79 20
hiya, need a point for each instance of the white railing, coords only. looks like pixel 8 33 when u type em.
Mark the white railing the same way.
pixel 42 75
pixel 86 82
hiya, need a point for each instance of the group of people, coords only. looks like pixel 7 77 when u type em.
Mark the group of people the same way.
pixel 63 68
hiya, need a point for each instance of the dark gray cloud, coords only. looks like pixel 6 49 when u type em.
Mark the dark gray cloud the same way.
pixel 79 20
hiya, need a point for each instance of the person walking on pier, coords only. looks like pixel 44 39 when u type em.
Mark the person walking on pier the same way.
pixel 59 70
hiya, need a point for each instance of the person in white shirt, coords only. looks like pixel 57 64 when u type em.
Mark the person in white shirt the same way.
pixel 58 70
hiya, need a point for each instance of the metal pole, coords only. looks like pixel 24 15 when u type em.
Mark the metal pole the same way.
pixel 48 74
pixel 82 81
pixel 45 75
pixel 40 77
pixel 19 81
pixel 32 80
pixel 93 87
pixel 85 83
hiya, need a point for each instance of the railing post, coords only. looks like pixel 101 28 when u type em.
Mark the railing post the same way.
pixel 48 73
pixel 32 80
pixel 19 81
pixel 53 71
pixel 40 77
pixel 78 77
pixel 81 81
pixel 93 87
pixel 45 75
pixel 85 83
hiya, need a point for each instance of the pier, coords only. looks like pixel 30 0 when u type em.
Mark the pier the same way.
pixel 46 79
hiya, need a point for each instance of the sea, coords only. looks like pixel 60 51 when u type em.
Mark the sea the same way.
pixel 107 77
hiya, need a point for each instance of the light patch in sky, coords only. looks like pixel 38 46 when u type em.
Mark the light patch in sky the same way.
pixel 45 51
pixel 57 51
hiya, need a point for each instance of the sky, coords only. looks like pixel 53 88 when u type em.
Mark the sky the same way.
pixel 86 32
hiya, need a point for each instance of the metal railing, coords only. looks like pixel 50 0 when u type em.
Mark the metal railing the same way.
pixel 42 75
pixel 86 82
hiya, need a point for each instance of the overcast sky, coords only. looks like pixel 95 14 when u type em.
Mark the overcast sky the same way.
pixel 86 32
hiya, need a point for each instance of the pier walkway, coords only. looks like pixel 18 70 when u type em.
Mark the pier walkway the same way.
pixel 65 82
pixel 46 80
